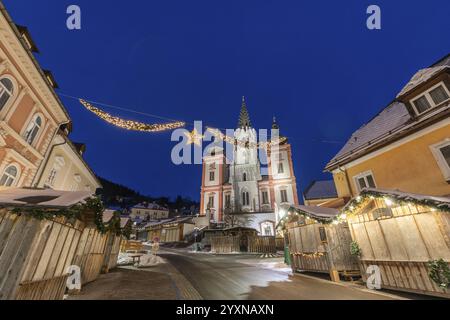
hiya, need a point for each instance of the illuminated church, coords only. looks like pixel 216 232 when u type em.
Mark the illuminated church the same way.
pixel 240 188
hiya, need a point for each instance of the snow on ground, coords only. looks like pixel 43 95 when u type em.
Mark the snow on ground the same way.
pixel 146 260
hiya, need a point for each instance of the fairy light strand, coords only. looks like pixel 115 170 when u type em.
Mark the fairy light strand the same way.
pixel 130 124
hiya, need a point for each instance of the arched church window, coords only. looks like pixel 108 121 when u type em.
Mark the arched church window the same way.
pixel 245 198
pixel 244 177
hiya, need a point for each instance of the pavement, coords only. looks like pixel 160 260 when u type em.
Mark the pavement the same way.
pixel 193 276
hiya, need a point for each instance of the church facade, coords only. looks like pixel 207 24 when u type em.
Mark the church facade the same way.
pixel 238 192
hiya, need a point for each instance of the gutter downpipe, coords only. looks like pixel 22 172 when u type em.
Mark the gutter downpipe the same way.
pixel 347 180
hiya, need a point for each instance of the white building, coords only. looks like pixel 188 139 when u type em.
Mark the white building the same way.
pixel 151 211
pixel 240 189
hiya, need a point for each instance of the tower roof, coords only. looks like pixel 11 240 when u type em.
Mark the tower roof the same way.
pixel 244 118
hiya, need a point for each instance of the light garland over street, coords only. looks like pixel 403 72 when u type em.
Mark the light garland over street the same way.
pixel 130 124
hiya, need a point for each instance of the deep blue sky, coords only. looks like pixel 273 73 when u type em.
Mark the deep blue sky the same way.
pixel 313 64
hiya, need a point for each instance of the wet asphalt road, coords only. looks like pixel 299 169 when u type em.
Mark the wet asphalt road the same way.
pixel 225 277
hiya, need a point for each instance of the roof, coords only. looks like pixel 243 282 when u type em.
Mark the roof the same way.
pixel 153 206
pixel 244 117
pixel 427 200
pixel 420 77
pixel 124 222
pixel 108 215
pixel 387 121
pixel 45 198
pixel 392 120
pixel 320 190
pixel 316 212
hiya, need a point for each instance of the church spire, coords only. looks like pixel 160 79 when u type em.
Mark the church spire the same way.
pixel 244 118
pixel 275 124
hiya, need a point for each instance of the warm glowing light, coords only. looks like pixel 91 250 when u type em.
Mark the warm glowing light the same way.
pixel 388 202
pixel 266 145
pixel 194 137
pixel 129 124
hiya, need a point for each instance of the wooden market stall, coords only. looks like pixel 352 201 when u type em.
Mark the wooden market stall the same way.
pixel 42 233
pixel 317 244
pixel 406 235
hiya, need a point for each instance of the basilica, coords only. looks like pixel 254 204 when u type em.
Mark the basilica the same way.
pixel 243 190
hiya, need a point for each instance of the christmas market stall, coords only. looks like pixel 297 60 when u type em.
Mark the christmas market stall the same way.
pixel 41 232
pixel 318 242
pixel 405 236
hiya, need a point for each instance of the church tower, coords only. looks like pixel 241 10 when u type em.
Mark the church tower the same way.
pixel 245 169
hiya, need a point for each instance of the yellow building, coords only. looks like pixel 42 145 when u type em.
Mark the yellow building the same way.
pixel 406 146
pixel 33 122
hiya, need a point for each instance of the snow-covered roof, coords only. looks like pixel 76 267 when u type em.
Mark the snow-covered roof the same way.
pixel 123 222
pixel 42 198
pixel 153 206
pixel 392 120
pixel 420 77
pixel 437 202
pixel 389 120
pixel 320 190
pixel 316 212
pixel 108 215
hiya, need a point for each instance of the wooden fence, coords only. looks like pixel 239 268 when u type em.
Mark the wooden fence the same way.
pixel 225 244
pixel 400 240
pixel 35 255
pixel 261 245
pixel 111 252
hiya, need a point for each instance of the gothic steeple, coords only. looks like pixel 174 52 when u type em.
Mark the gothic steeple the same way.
pixel 244 118
pixel 275 124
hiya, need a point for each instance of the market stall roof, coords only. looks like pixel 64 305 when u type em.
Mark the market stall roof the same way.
pixel 44 198
pixel 124 222
pixel 108 215
pixel 442 203
pixel 316 212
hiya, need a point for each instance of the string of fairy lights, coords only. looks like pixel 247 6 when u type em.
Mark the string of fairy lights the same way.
pixel 130 124
pixel 194 137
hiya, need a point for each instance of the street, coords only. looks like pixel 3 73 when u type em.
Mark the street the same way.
pixel 218 277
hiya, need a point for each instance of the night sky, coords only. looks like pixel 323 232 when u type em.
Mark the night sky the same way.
pixel 312 64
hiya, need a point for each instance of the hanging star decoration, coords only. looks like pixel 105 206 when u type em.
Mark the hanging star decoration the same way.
pixel 194 137
pixel 130 124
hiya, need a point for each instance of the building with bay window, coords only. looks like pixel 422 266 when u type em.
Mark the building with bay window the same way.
pixel 406 146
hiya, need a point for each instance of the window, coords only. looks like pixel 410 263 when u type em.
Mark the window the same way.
pixel 322 234
pixel 438 95
pixel 211 202
pixel 9 176
pixel 431 98
pixel 6 91
pixel 51 177
pixel 280 168
pixel 267 228
pixel 283 194
pixel 245 198
pixel 365 180
pixel 441 152
pixel 211 176
pixel 244 177
pixel 422 104
pixel 265 197
pixel 33 129
pixel 227 201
